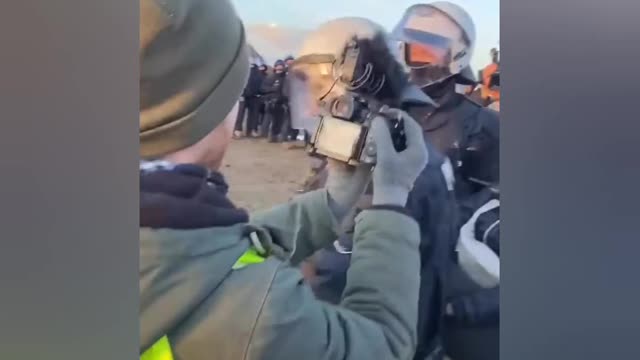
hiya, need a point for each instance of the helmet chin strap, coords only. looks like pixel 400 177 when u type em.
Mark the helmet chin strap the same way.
pixel 440 88
pixel 439 81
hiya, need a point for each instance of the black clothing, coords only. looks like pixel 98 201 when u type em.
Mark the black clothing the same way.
pixel 272 86
pixel 276 112
pixel 252 105
pixel 249 107
pixel 469 135
pixel 186 197
pixel 467 132
pixel 241 115
pixel 272 90
pixel 254 83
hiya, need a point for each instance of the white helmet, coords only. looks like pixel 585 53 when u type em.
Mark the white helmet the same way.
pixel 437 36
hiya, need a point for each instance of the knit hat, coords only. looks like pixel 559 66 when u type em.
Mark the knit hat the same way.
pixel 194 64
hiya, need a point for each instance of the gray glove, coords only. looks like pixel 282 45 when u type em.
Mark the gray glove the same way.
pixel 395 172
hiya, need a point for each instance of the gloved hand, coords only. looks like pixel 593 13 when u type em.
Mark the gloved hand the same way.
pixel 395 172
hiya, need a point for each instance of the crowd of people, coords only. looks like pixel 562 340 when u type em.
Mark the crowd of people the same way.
pixel 264 110
pixel 397 260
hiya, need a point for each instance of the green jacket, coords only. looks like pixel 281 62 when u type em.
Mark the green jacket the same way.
pixel 189 291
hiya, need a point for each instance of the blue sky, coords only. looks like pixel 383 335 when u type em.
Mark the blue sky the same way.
pixel 309 13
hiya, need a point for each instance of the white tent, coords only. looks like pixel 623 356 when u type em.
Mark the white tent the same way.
pixel 255 57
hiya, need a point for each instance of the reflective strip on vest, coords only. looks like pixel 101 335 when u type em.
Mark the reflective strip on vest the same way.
pixel 161 350
pixel 249 257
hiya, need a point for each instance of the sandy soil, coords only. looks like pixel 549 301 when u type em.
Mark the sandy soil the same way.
pixel 261 174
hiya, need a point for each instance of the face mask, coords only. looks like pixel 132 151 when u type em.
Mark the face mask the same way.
pixel 429 74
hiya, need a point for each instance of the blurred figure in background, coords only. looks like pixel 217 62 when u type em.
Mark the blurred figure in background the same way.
pixel 249 107
pixel 490 81
pixel 272 90
pixel 260 98
pixel 288 133
pixel 288 61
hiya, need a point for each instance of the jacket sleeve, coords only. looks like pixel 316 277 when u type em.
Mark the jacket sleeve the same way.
pixel 301 226
pixel 376 318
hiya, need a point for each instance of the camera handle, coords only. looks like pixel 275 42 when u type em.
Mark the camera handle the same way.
pixel 398 135
pixel 396 128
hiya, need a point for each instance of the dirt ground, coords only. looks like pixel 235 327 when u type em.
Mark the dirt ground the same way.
pixel 261 174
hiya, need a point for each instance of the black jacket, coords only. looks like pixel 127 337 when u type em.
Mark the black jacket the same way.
pixel 273 85
pixel 256 77
pixel 472 304
pixel 469 134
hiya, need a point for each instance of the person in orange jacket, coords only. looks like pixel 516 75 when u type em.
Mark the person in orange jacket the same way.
pixel 490 90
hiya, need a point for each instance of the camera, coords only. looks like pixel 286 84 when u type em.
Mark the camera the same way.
pixel 343 134
pixel 372 80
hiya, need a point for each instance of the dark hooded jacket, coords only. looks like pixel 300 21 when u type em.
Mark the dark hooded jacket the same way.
pixel 256 77
pixel 273 87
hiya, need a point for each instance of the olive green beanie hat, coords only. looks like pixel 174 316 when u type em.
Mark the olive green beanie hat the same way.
pixel 194 64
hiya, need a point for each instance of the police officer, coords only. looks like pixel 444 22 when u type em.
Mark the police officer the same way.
pixel 250 105
pixel 272 90
pixel 288 133
pixel 437 41
pixel 260 99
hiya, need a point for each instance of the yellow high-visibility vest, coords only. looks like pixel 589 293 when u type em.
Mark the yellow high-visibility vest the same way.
pixel 161 349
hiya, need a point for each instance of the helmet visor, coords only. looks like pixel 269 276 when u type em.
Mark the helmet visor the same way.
pixel 427 35
pixel 417 55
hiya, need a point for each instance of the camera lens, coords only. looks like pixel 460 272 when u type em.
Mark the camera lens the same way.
pixel 342 107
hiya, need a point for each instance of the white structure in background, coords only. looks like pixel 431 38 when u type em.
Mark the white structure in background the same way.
pixel 271 42
pixel 255 57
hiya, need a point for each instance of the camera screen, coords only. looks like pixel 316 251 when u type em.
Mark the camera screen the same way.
pixel 337 138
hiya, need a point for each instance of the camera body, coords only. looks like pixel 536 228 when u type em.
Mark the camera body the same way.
pixel 343 131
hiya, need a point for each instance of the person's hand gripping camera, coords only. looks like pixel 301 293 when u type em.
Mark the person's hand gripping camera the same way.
pixel 393 175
